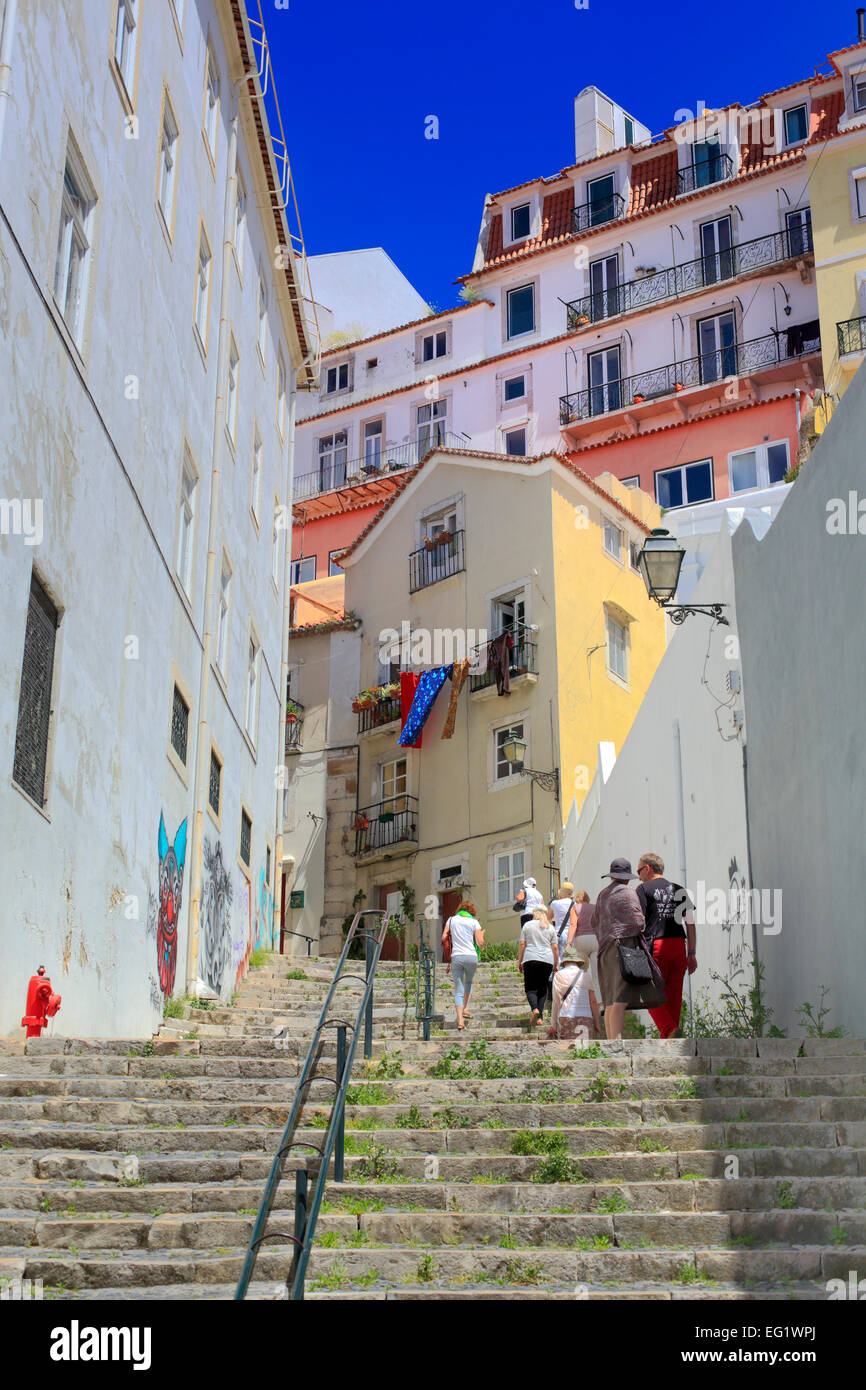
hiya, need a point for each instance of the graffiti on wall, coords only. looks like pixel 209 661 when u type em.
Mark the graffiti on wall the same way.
pixel 264 913
pixel 242 939
pixel 172 858
pixel 216 930
pixel 737 923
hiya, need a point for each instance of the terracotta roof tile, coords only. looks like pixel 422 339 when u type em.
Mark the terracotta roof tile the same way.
pixel 494 238
pixel 826 112
pixel 653 183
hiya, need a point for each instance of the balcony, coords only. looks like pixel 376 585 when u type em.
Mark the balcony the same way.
pixel 438 561
pixel 851 336
pixel 379 715
pixel 524 662
pixel 294 727
pixel 758 254
pixel 379 463
pixel 610 208
pixel 387 826
pixel 738 360
pixel 709 171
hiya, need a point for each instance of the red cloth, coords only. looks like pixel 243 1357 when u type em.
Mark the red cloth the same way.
pixel 670 956
pixel 408 685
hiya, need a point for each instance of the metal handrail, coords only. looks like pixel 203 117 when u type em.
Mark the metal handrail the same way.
pixel 703 175
pixel 306 1215
pixel 608 208
pixel 425 993
pixel 701 273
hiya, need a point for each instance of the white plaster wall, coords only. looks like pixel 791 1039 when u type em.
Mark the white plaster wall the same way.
pixel 84 876
pixel 364 288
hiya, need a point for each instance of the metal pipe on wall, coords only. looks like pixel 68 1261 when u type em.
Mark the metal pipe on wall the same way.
pixel 6 61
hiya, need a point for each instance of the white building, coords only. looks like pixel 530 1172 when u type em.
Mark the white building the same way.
pixel 153 329
pixel 362 292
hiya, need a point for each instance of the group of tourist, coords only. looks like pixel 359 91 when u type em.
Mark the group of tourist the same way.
pixel 631 949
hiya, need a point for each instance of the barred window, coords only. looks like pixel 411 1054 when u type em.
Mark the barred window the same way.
pixel 34 700
pixel 215 783
pixel 179 725
pixel 246 837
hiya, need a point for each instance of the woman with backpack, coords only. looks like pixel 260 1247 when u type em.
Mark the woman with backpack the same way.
pixel 463 932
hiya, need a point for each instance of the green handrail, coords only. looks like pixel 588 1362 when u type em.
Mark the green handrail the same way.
pixel 306 1215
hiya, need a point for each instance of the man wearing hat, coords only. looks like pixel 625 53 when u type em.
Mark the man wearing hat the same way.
pixel 575 1007
pixel 619 920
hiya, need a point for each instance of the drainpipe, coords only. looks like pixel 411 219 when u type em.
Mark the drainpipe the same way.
pixel 203 745
pixel 755 959
pixel 681 832
pixel 6 61
pixel 284 659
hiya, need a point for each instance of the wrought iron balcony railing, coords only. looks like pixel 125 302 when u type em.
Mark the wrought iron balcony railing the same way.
pixel 376 716
pixel 429 566
pixel 524 660
pixel 391 458
pixel 391 822
pixel 294 727
pixel 851 335
pixel 765 251
pixel 715 170
pixel 594 214
pixel 739 359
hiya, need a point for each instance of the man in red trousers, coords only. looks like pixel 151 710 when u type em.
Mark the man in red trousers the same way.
pixel 667 909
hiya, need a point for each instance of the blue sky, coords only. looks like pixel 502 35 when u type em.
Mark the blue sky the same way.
pixel 357 80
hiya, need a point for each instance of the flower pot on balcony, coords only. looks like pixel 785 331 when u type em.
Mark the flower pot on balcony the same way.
pixel 429 543
pixel 386 817
pixel 678 386
pixel 361 823
pixel 582 319
pixel 637 398
pixel 291 719
pixel 444 538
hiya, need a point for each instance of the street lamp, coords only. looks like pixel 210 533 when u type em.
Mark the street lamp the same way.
pixel 660 563
pixel 514 748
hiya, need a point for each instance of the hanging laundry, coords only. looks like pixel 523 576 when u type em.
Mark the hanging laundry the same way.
pixel 459 672
pixel 429 685
pixel 408 685
pixel 499 658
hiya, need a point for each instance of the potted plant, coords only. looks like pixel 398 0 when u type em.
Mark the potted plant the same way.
pixel 293 712
pixel 443 538
pixel 678 386
pixel 637 398
pixel 582 319
pixel 361 822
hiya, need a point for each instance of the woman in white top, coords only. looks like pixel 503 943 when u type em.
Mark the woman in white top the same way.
pixel 563 914
pixel 527 900
pixel 575 1007
pixel 465 932
pixel 537 957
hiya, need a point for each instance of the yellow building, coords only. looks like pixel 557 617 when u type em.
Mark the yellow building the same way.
pixel 533 548
pixel 837 196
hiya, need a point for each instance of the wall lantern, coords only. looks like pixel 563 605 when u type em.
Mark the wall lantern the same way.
pixel 660 563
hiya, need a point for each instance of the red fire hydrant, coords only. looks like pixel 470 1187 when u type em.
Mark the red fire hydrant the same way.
pixel 42 1004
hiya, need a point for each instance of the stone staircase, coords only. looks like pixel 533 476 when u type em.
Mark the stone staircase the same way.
pixel 487 1164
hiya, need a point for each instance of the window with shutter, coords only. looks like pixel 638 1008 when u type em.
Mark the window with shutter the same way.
pixel 34 700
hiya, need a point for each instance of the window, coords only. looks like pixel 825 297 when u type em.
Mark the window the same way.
pixel 680 487
pixel 437 522
pixel 508 614
pixel 431 421
pixel 604 288
pixel 373 433
pixel 503 768
pixel 717 341
pixel 72 266
pixel 521 311
pixel 858 83
pixel 240 228
pixel 860 192
pixel 34 700
pixel 223 616
pixel 762 466
pixel 214 784
pixel 168 164
pixel 179 724
pixel 232 392
pixel 796 125
pixel 186 523
pixel 256 481
pixel 628 129
pixel 337 379
pixel 262 333
pixel 612 539
pixel 304 570
pixel 281 395
pixel 252 701
pixel 717 257
pixel 202 288
pixel 509 871
pixel 333 567
pixel 275 546
pixel 799 228
pixel 600 194
pixel 393 785
pixel 630 482
pixel 211 102
pixel 371 363
pixel 515 442
pixel 634 550
pixel 246 838
pixel 126 42
pixel 707 158
pixel 513 389
pixel 434 345
pixel 333 453
pixel 520 222
pixel 605 387
pixel 617 649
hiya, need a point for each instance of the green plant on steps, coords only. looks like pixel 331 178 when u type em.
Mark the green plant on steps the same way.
pixel 296 975
pixel 498 950
pixel 738 1013
pixel 812 1020
pixel 173 1008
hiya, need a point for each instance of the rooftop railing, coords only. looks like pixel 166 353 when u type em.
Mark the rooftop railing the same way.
pixel 735 360
pixel 708 171
pixel 377 463
pixel 711 269
pixel 595 213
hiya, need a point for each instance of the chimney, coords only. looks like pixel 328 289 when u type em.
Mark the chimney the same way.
pixel 861 29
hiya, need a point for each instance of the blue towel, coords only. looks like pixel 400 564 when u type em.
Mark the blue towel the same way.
pixel 429 686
